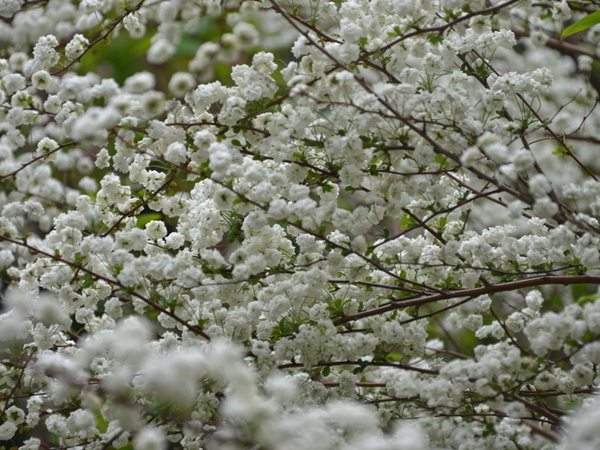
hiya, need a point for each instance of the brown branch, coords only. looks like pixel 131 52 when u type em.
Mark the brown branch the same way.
pixel 366 364
pixel 563 280
pixel 561 46
pixel 34 160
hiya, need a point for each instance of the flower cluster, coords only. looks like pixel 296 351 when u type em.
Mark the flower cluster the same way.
pixel 353 225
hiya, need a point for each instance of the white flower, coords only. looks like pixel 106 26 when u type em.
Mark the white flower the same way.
pixel 220 157
pixel 134 239
pixel 31 444
pixel 539 185
pixel 181 83
pixel 7 430
pixel 140 82
pixel 153 103
pixel 13 82
pixel 176 153
pixel 76 46
pixel 174 240
pixel 156 229
pixel 150 439
pixel 15 414
pixel 102 159
pixel 46 145
pixel 10 7
pixel 134 26
pixel 44 54
pixel 160 51
pixel 43 81
pixel 246 33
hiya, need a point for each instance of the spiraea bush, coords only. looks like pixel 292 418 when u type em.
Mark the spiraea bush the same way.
pixel 299 225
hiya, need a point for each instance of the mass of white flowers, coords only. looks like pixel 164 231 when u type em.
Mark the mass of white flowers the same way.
pixel 379 230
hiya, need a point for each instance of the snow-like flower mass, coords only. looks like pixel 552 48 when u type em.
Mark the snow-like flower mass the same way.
pixel 347 224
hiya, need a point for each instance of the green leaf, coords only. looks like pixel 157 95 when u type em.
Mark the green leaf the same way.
pixel 582 290
pixel 581 25
pixel 336 307
pixel 407 221
pixel 188 45
pixel 435 38
pixel 287 326
pixel 394 357
pixel 587 299
pixel 145 218
pixel 441 161
pixel 441 223
pixel 101 422
pixel 234 222
pixel 560 151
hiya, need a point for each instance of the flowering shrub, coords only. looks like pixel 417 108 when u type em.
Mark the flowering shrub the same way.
pixel 348 224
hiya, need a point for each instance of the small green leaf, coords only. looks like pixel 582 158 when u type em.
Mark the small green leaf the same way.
pixel 581 25
pixel 394 357
pixel 560 151
pixel 326 371
pixel 407 221
pixel 287 326
pixel 587 299
pixel 101 422
pixel 441 223
pixel 146 218
pixel 234 222
pixel 441 161
pixel 435 38
pixel 582 290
